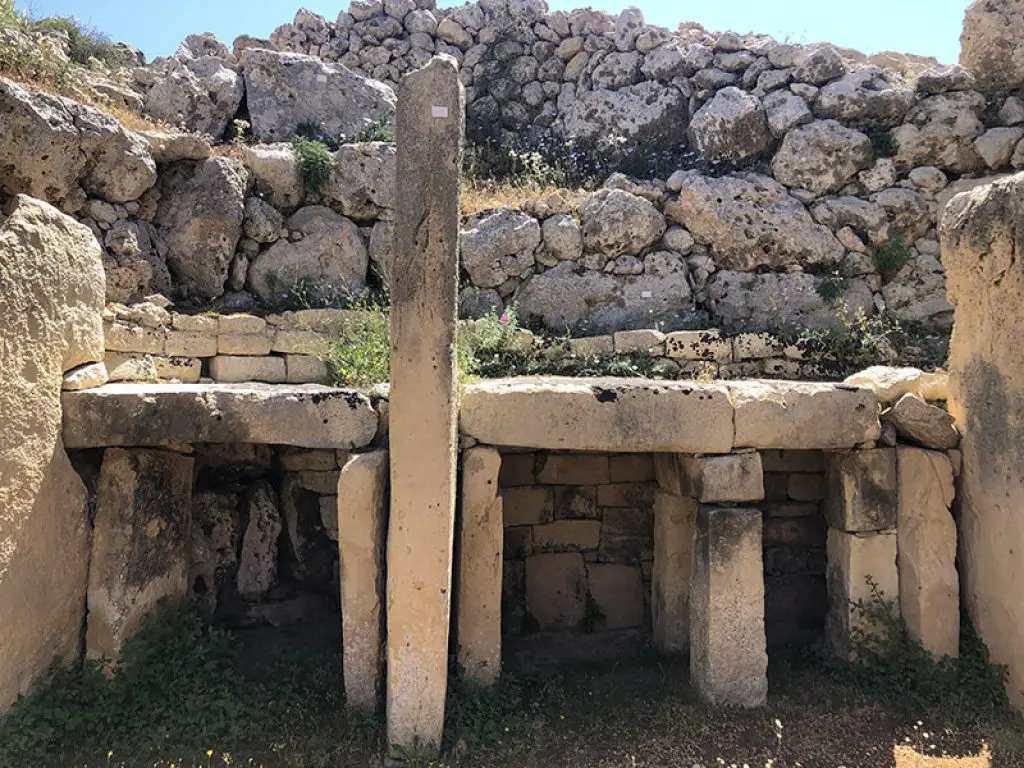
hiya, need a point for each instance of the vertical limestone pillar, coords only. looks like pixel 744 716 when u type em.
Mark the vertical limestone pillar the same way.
pixel 362 498
pixel 674 521
pixel 728 650
pixel 926 550
pixel 481 535
pixel 423 402
pixel 858 565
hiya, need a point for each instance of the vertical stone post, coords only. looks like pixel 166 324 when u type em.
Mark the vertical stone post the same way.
pixel 481 535
pixel 728 650
pixel 423 402
pixel 362 496
pixel 859 565
pixel 674 521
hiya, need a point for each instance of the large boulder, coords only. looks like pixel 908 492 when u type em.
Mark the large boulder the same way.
pixel 732 126
pixel 60 151
pixel 750 221
pixel 821 157
pixel 940 131
pixel 616 222
pixel 200 93
pixel 865 96
pixel 275 169
pixel 286 90
pixel 362 183
pixel 326 257
pixel 498 246
pixel 990 43
pixel 648 113
pixel 745 301
pixel 50 323
pixel 594 302
pixel 200 217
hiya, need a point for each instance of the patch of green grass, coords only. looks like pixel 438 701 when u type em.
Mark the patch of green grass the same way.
pixel 891 257
pixel 181 688
pixel 316 163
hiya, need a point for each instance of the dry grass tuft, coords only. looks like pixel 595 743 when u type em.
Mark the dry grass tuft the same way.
pixel 485 195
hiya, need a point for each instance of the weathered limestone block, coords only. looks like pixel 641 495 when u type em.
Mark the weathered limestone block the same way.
pixel 674 523
pixel 50 323
pixel 990 43
pixel 981 241
pixel 926 544
pixel 423 402
pixel 858 564
pixel 361 522
pixel 141 543
pixel 233 369
pixel 890 384
pixel 861 495
pixel 798 415
pixel 309 416
pixel 285 90
pixel 85 377
pixel 480 567
pixel 617 591
pixel 257 563
pixel 556 589
pixel 617 415
pixel 733 478
pixel 924 424
pixel 728 651
pixel 306 369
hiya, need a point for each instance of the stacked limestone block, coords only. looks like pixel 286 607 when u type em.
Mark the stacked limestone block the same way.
pixel 147 342
pixel 578 533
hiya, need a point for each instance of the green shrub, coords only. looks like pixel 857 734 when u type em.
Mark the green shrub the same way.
pixel 85 43
pixel 361 355
pixel 9 18
pixel 834 282
pixel 315 162
pixel 858 342
pixel 380 130
pixel 891 257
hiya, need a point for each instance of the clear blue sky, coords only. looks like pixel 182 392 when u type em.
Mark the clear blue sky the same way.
pixel 927 27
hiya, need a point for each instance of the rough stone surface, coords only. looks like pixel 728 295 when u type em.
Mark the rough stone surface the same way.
pixel 821 157
pixel 285 90
pixel 890 384
pixel 749 221
pixel 647 112
pixel 797 415
pixel 858 564
pixel 990 43
pixel 50 324
pixel 141 542
pixel 861 494
pixel 615 415
pixel 728 652
pixel 498 246
pixel 362 182
pixel 257 561
pixel 732 126
pixel 423 403
pixel 556 589
pixel 981 240
pixel 675 520
pixel 616 222
pixel 202 94
pixel 361 522
pixel 481 539
pixel 926 539
pixel 925 424
pixel 309 416
pixel 200 218
pixel 329 258
pixel 734 478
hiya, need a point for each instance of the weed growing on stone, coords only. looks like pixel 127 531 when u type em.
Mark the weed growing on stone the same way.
pixel 380 130
pixel 856 343
pixel 891 258
pixel 181 688
pixel 834 282
pixel 84 42
pixel 361 355
pixel 316 163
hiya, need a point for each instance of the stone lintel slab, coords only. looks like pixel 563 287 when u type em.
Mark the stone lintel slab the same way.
pixel 728 649
pixel 803 415
pixel 306 416
pixel 481 537
pixel 602 414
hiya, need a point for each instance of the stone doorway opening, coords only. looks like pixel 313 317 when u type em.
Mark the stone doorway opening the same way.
pixel 578 552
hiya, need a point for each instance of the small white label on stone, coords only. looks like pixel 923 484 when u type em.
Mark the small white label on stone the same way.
pixel 439 112
pixel 645 294
pixel 321 78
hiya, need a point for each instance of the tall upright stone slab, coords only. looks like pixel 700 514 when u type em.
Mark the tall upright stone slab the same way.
pixel 362 501
pixel 674 520
pixel 728 648
pixel 481 536
pixel 982 234
pixel 51 297
pixel 423 402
